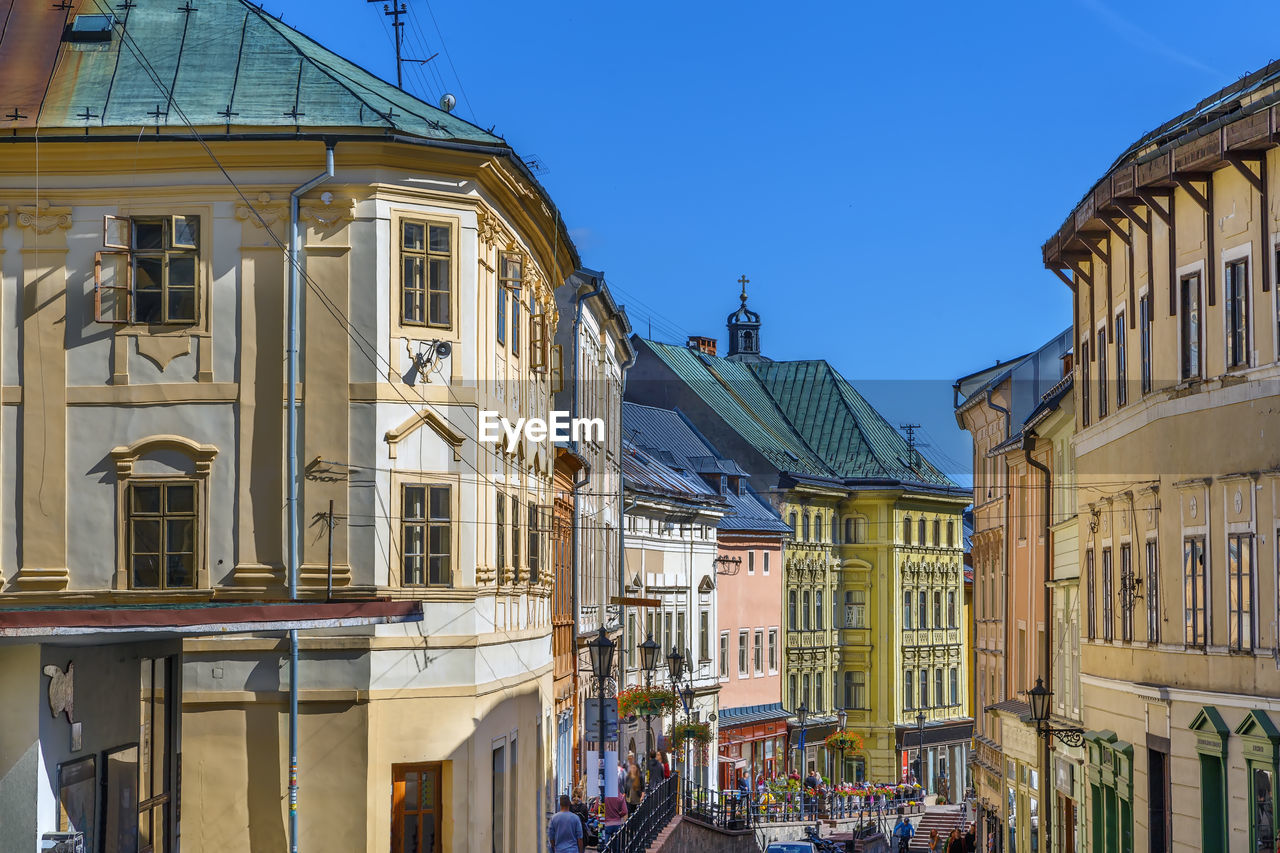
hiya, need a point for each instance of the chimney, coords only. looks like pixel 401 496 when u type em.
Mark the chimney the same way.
pixel 701 344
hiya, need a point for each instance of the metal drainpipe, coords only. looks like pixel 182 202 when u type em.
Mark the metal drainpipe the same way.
pixel 622 535
pixel 291 449
pixel 1046 785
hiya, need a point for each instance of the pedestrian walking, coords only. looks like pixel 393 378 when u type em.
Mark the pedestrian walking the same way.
pixel 635 786
pixel 955 843
pixel 935 842
pixel 564 831
pixel 653 768
pixel 615 813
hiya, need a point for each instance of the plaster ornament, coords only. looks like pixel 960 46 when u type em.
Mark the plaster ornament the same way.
pixel 329 212
pixel 61 690
pixel 264 212
pixel 43 218
pixel 1239 501
pixel 1193 506
pixel 4 216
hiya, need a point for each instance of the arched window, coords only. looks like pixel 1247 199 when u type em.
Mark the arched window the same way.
pixel 795 524
pixel 835 530
pixel 791 611
pixel 806 527
pixel 817 610
pixel 906 530
pixel 951 534
pixel 937 533
pixel 748 341
pixel 805 614
pixel 923 613
pixel 848 690
pixel 920 525
pixel 860 530
pixel 848 531
pixel 908 696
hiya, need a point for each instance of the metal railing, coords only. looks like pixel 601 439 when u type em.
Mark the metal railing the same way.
pixel 649 818
pixel 871 814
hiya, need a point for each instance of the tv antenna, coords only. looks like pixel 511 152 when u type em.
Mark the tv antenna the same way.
pixel 393 11
pixel 910 430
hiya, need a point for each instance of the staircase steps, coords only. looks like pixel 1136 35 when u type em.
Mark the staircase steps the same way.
pixel 664 835
pixel 942 818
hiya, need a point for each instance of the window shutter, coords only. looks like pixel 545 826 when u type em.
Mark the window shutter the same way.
pixel 111 290
pixel 557 369
pixel 538 343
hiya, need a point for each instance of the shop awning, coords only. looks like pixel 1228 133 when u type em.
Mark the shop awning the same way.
pixel 131 623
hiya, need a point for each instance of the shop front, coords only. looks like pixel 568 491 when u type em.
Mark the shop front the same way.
pixel 937 758
pixel 752 742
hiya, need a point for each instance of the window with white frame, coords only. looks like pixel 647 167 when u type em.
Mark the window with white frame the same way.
pixel 758 651
pixel 743 638
pixel 426 540
pixel 1152 592
pixel 1240 607
pixel 426 273
pixel 1235 292
pixel 773 650
pixel 1122 362
pixel 1194 592
pixel 724 654
pixel 1189 327
pixel 148 270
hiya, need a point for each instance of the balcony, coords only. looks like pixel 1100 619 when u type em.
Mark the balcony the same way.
pixel 855 636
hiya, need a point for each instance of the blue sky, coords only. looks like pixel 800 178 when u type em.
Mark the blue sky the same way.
pixel 884 174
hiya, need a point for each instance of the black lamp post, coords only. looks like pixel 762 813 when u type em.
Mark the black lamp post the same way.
pixel 649 660
pixel 601 649
pixel 920 749
pixel 686 693
pixel 843 717
pixel 802 717
pixel 1039 698
pixel 675 668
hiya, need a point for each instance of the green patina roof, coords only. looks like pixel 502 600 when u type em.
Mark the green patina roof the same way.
pixel 228 63
pixel 852 437
pixel 803 416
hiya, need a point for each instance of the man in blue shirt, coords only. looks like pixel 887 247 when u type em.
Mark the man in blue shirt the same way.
pixel 903 832
pixel 564 832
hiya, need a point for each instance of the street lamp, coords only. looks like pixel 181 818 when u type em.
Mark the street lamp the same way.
pixel 920 748
pixel 843 717
pixel 601 650
pixel 1039 698
pixel 649 660
pixel 675 668
pixel 802 717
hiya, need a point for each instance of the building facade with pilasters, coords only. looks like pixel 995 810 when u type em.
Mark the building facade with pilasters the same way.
pixel 1171 260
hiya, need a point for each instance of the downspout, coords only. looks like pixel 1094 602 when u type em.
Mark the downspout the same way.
pixel 1046 785
pixel 1002 410
pixel 291 451
pixel 622 534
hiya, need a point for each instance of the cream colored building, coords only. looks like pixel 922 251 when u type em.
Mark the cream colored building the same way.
pixel 142 351
pixel 1171 259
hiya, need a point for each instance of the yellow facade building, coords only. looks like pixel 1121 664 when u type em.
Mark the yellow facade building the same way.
pixel 1172 261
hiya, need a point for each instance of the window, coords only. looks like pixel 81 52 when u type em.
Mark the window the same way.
pixel 1193 591
pixel 773 650
pixel 1091 604
pixel 791 690
pixel 498 803
pixel 923 613
pixel 426 536
pixel 1122 390
pixel 1103 374
pixel 818 702
pixel 955 686
pixel 817 609
pixel 680 636
pixel 1084 384
pixel 500 300
pixel 906 610
pixel 806 527
pixel 724 654
pixel 835 531
pixel 1158 801
pixel 906 530
pixel 426 270
pixel 758 649
pixel 162 532
pixel 848 530
pixel 807 624
pixel 951 534
pixel 924 688
pixel 1262 814
pixel 855 608
pixel 1107 613
pixel 535 545
pixel 766 562
pixel 156 753
pixel 742 653
pixel 805 695
pixel 500 534
pixel 704 635
pixel 1235 288
pixel 152 269
pixel 951 609
pixel 1189 326
pixel 1127 598
pixel 920 530
pixel 938 696
pixel 751 562
pixel 1152 592
pixel 859 684
pixel 515 322
pixel 937 533
pixel 907 696
pixel 937 608
pixel 791 611
pixel 795 524
pixel 1144 340
pixel 515 538
pixel 1240 591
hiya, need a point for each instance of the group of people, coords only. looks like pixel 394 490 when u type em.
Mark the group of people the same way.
pixel 903 832
pixel 567 831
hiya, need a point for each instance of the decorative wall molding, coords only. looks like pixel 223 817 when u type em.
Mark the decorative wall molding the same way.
pixel 489 228
pixel 201 454
pixel 44 218
pixel 264 211
pixel 4 216
pixel 327 211
pixel 161 350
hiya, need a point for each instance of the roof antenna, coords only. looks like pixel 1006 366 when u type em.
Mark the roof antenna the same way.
pixel 910 430
pixel 394 10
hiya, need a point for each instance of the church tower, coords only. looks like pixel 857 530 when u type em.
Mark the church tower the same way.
pixel 744 330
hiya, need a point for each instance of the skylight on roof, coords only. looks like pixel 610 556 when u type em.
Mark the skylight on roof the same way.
pixel 89 28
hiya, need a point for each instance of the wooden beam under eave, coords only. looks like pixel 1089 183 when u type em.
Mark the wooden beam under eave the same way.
pixel 1080 273
pixel 1066 279
pixel 1117 230
pixel 1186 181
pixel 1143 222
pixel 1241 165
pixel 1149 199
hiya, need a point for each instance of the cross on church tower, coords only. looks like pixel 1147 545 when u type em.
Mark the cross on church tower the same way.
pixel 744 329
pixel 744 281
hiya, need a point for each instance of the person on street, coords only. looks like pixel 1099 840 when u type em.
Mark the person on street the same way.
pixel 971 839
pixel 935 842
pixel 904 832
pixel 654 769
pixel 955 843
pixel 666 766
pixel 615 813
pixel 564 831
pixel 635 786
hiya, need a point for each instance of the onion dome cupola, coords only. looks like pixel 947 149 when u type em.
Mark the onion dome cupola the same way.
pixel 744 330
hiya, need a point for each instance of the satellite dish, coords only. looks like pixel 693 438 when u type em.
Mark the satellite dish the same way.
pixel 448 102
